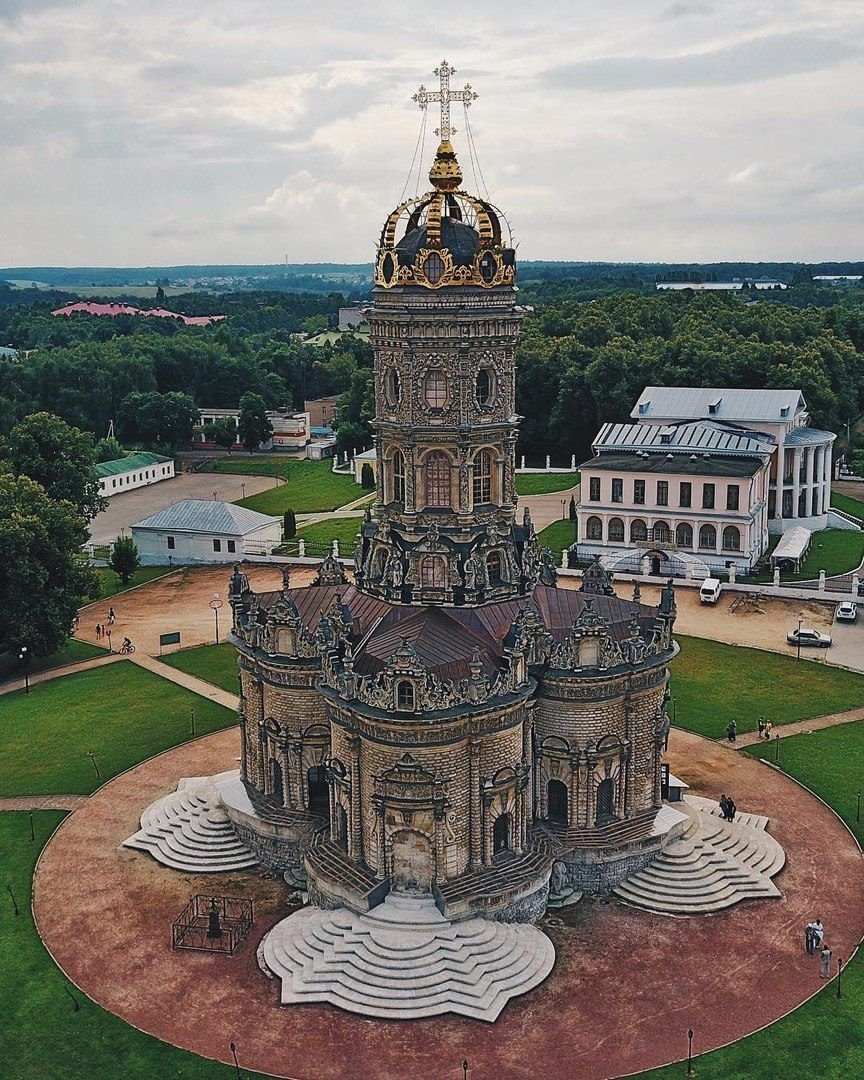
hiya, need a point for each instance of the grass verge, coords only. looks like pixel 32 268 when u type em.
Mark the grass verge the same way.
pixel 216 664
pixel 310 486
pixel 559 535
pixel 73 652
pixel 543 483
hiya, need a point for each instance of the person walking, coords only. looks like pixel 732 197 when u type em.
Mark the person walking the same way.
pixel 98 631
pixel 731 731
pixel 825 957
pixel 112 616
pixel 809 939
pixel 761 727
pixel 768 726
pixel 818 934
pixel 732 809
pixel 724 807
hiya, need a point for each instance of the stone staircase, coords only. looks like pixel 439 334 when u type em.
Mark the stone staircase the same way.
pixel 189 830
pixel 404 960
pixel 712 865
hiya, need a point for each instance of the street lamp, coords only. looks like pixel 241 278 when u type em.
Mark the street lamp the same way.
pixel 215 604
pixel 690 1052
pixel 243 489
pixel 563 504
pixel 215 493
pixel 108 635
pixel 24 657
pixel 798 636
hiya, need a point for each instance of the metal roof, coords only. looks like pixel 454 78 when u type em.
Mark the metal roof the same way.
pixel 683 438
pixel 808 436
pixel 692 403
pixel 793 544
pixel 674 465
pixel 204 516
pixel 130 463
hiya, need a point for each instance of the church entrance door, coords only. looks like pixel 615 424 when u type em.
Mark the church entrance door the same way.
pixel 277 789
pixel 340 827
pixel 501 834
pixel 606 800
pixel 413 865
pixel 556 801
pixel 656 565
pixel 319 791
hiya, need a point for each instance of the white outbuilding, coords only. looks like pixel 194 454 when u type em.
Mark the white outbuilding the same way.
pixel 200 531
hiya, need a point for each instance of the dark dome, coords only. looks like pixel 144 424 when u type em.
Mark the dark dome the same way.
pixel 459 239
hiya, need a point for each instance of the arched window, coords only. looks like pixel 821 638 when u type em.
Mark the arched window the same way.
pixel 433 574
pixel 437 479
pixel 731 539
pixel 399 477
pixel 493 567
pixel 638 530
pixel 483 477
pixel 276 787
pixel 606 799
pixel 684 535
pixel 483 386
pixel 557 800
pixel 615 531
pixel 318 791
pixel 435 389
pixel 433 268
pixel 393 387
pixel 388 267
pixel 487 267
pixel 405 696
pixel 662 533
pixel 501 834
pixel 708 537
pixel 593 529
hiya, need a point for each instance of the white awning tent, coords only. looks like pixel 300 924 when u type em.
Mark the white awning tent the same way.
pixel 673 564
pixel 792 547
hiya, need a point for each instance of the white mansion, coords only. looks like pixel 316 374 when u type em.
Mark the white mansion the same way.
pixel 701 477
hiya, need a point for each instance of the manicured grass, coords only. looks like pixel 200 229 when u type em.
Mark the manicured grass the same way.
pixel 42 1035
pixel 325 532
pixel 847 504
pixel 71 653
pixel 310 486
pixel 559 535
pixel 216 664
pixel 825 1037
pixel 836 551
pixel 713 683
pixel 541 483
pixel 122 713
pixel 110 585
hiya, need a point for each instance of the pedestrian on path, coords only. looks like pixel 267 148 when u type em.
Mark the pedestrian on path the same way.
pixel 98 631
pixel 724 807
pixel 768 726
pixel 732 809
pixel 818 933
pixel 825 956
pixel 761 727
pixel 810 939
pixel 112 616
pixel 731 731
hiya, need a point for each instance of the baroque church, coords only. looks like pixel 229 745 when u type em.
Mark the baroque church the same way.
pixel 444 742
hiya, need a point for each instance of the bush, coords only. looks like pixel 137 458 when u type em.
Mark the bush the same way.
pixel 289 525
pixel 367 477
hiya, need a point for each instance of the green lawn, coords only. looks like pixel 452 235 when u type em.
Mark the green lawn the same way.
pixel 320 535
pixel 825 1037
pixel 542 483
pixel 42 1035
pixel 72 653
pixel 121 713
pixel 836 551
pixel 310 487
pixel 847 504
pixel 559 535
pixel 109 583
pixel 216 664
pixel 713 683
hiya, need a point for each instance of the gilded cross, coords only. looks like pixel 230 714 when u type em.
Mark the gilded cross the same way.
pixel 444 95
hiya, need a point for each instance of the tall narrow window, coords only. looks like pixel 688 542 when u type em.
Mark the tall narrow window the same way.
pixel 432 572
pixel 708 496
pixel 639 492
pixel 685 489
pixel 433 268
pixel 732 497
pixel 617 489
pixel 493 567
pixel 435 389
pixel 483 477
pixel 594 489
pixel 399 477
pixel 483 386
pixel 405 696
pixel 437 480
pixel 662 492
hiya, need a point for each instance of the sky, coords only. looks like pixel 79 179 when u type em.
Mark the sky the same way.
pixel 157 133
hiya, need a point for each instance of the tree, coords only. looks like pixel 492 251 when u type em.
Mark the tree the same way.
pixel 124 558
pixel 165 420
pixel 222 432
pixel 108 449
pixel 289 525
pixel 42 575
pixel 60 458
pixel 572 508
pixel 253 425
pixel 367 477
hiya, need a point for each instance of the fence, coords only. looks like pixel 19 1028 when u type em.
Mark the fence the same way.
pixel 192 930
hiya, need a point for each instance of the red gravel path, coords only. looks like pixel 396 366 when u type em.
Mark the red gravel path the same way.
pixel 625 987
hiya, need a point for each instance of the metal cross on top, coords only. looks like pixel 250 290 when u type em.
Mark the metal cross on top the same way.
pixel 445 95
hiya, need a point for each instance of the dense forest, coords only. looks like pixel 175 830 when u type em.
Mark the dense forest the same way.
pixel 584 356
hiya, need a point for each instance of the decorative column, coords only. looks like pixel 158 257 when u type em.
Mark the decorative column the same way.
pixel 474 814
pixel 826 477
pixel 573 809
pixel 381 858
pixel 355 835
pixel 811 482
pixel 796 481
pixel 778 481
pixel 410 479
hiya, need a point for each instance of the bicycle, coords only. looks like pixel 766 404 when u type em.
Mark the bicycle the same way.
pixel 124 650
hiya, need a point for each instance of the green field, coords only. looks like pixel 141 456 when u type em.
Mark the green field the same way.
pixel 323 533
pixel 216 664
pixel 542 483
pixel 310 486
pixel 713 683
pixel 559 535
pixel 847 504
pixel 72 652
pixel 836 551
pixel 122 713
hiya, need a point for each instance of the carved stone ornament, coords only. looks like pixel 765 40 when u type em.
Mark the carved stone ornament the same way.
pixel 330 572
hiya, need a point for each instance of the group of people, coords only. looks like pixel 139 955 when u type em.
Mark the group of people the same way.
pixel 765 728
pixel 728 808
pixel 102 628
pixel 814 940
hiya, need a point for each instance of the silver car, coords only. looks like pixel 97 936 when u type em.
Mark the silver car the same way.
pixel 846 612
pixel 806 636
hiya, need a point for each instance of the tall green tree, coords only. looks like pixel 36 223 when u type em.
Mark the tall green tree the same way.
pixel 163 420
pixel 124 558
pixel 60 458
pixel 42 576
pixel 253 424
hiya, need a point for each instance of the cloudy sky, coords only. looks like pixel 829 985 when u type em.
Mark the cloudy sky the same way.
pixel 159 132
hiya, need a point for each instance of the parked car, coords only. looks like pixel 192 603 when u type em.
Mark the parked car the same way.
pixel 846 612
pixel 806 636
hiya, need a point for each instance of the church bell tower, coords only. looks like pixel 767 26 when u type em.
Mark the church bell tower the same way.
pixel 444 326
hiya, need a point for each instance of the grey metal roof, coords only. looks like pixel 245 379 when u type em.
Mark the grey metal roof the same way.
pixel 201 515
pixel 704 436
pixel 808 436
pixel 692 403
pixel 679 465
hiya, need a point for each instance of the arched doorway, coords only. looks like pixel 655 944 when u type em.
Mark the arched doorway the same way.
pixel 606 800
pixel 340 827
pixel 501 834
pixel 556 801
pixel 277 789
pixel 657 560
pixel 319 792
pixel 413 865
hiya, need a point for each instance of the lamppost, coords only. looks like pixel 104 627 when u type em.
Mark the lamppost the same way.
pixel 839 975
pixel 243 489
pixel 215 493
pixel 563 504
pixel 108 635
pixel 690 1052
pixel 24 657
pixel 215 604
pixel 798 636
pixel 234 1055
pixel 858 809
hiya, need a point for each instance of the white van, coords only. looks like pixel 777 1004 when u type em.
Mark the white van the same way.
pixel 710 590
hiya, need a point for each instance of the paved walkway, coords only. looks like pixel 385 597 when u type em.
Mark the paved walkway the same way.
pixel 190 682
pixel 43 802
pixel 799 727
pixel 59 672
pixel 601 1013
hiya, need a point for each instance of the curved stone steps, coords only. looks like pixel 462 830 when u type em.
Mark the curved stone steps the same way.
pixel 188 830
pixel 404 960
